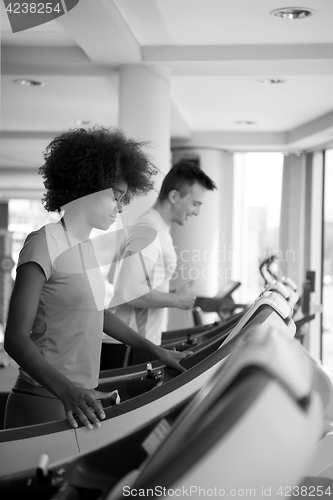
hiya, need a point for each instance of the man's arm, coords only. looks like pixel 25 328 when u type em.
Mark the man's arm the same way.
pixel 117 329
pixel 135 286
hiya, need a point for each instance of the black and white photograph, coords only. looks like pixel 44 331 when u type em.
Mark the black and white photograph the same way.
pixel 166 249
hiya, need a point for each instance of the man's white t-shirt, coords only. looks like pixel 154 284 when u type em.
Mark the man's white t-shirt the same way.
pixel 149 240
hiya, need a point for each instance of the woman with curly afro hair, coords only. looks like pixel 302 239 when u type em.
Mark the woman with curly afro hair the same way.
pixel 56 315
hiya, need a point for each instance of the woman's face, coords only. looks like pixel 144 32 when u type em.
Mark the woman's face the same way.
pixel 103 207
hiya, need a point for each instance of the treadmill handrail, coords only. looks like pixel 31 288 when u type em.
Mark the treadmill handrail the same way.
pixel 277 286
pixel 272 299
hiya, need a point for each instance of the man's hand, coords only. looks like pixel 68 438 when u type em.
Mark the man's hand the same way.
pixel 85 404
pixel 172 358
pixel 185 296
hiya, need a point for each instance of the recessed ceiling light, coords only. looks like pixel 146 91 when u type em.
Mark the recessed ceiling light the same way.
pixel 245 122
pixel 269 80
pixel 79 123
pixel 24 82
pixel 293 12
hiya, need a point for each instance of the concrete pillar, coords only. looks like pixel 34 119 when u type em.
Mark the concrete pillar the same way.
pixel 292 227
pixel 301 232
pixel 313 244
pixel 203 244
pixel 144 114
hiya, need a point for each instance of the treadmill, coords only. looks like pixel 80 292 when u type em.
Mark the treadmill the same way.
pixel 253 426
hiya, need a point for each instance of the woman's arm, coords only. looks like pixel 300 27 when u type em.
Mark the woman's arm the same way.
pixel 117 329
pixel 23 306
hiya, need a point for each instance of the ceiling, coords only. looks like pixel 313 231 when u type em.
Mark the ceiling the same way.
pixel 217 49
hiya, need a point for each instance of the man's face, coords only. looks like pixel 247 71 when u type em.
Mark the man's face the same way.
pixel 188 205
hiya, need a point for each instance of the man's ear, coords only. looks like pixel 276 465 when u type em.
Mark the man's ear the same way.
pixel 173 196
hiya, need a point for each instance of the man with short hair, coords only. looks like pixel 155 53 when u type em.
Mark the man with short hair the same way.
pixel 142 292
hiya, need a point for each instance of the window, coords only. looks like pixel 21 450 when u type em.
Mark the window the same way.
pixel 256 218
pixel 327 335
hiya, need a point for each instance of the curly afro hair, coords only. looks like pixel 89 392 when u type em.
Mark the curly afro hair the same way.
pixel 84 161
